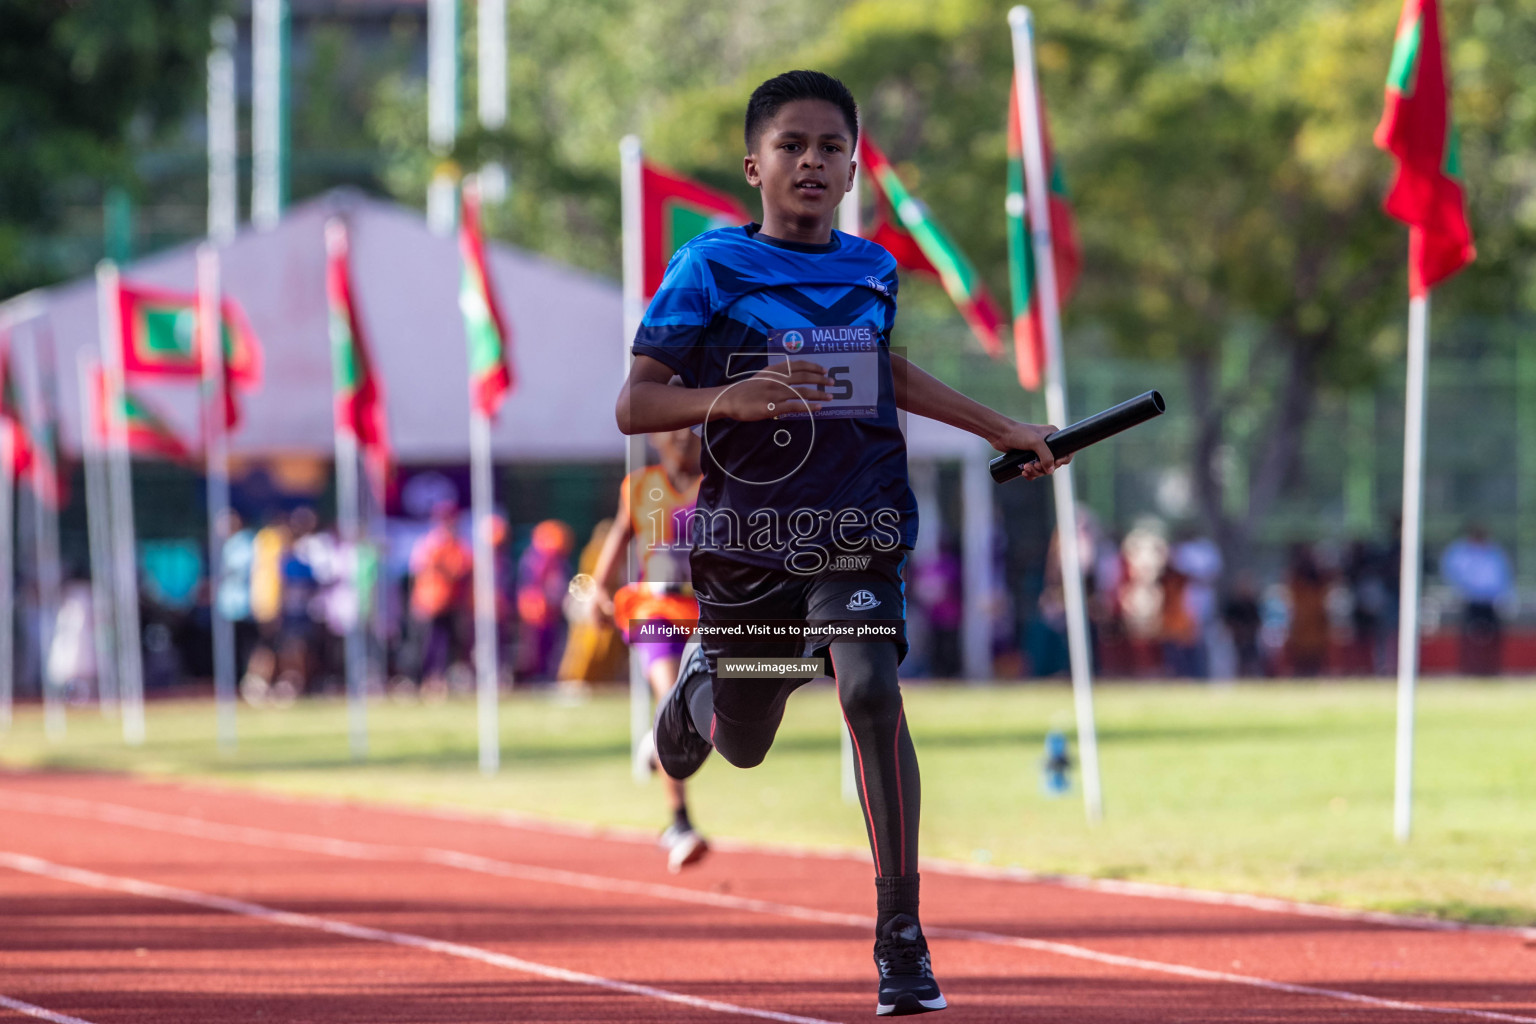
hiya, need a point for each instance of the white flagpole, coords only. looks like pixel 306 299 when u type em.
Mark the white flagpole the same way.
pixel 269 114
pixel 99 530
pixel 633 221
pixel 491 46
pixel 223 147
pixel 130 661
pixel 482 496
pixel 850 222
pixel 442 108
pixel 210 334
pixel 48 411
pixel 1408 609
pixel 486 682
pixel 377 628
pixel 349 527
pixel 977 515
pixel 7 568
pixel 45 534
pixel 11 313
pixel 1038 197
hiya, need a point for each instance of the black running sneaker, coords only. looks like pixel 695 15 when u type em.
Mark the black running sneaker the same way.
pixel 906 977
pixel 679 747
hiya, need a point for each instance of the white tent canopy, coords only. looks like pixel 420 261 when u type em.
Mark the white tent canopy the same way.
pixel 566 326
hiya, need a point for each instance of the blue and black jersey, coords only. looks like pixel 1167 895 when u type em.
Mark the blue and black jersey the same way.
pixel 801 491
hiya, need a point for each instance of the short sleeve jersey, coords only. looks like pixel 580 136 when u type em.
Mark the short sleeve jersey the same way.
pixel 658 515
pixel 805 490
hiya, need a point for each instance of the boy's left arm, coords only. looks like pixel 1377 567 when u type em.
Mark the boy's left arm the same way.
pixel 922 394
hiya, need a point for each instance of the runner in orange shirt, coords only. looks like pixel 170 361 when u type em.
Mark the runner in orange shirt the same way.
pixel 440 571
pixel 654 505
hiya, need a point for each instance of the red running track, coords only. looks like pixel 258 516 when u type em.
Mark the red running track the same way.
pixel 131 901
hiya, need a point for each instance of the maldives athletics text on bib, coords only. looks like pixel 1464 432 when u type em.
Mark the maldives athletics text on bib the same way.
pixel 850 356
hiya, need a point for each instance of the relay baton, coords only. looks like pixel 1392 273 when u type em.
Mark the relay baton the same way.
pixel 1082 434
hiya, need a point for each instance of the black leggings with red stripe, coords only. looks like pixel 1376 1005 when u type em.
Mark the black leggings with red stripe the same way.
pixel 742 718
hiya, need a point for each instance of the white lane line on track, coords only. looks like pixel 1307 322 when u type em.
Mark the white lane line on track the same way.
pixel 273 839
pixel 153 890
pixel 6 1002
pixel 1117 887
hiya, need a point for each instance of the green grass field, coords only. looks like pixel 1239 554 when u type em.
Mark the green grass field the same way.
pixel 1280 789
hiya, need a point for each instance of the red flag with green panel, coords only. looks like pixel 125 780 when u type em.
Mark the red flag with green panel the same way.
pixel 159 335
pixel 674 210
pixel 908 231
pixel 34 439
pixel 160 341
pixel 491 377
pixel 149 435
pixel 359 393
pixel 12 418
pixel 1416 128
pixel 1028 333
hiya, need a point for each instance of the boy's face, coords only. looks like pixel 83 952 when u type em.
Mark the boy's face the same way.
pixel 803 162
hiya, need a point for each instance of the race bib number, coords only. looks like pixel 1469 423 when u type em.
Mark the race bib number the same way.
pixel 851 357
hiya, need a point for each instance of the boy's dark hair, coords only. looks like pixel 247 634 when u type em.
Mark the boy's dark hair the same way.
pixel 798 85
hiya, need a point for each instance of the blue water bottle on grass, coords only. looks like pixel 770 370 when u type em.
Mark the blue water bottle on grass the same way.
pixel 1054 779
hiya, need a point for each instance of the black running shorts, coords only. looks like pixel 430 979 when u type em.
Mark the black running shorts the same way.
pixel 820 608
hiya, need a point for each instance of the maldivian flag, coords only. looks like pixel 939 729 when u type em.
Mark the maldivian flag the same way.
pixel 12 419
pixel 160 336
pixel 148 433
pixel 675 209
pixel 1416 128
pixel 490 366
pixel 1028 333
pixel 359 393
pixel 919 244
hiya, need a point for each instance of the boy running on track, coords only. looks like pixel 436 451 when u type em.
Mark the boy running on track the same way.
pixel 781 335
pixel 654 505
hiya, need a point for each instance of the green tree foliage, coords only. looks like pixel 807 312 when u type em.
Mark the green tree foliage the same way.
pixel 1232 180
pixel 80 85
pixel 1220 157
pixel 580 76
pixel 1225 181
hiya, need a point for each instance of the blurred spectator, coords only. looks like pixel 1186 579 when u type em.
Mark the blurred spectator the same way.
pixel 594 650
pixel 1392 558
pixel 72 654
pixel 504 584
pixel 297 637
pixel 936 593
pixel 1306 646
pixel 1240 614
pixel 440 571
pixel 1392 562
pixel 1198 560
pixel 1183 652
pixel 1369 576
pixel 1106 591
pixel 233 593
pixel 543 576
pixel 1146 553
pixel 1046 640
pixel 333 602
pixel 269 547
pixel 1479 571
pixel 158 621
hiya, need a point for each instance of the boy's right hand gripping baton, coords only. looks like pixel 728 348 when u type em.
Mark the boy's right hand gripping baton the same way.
pixel 1082 434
